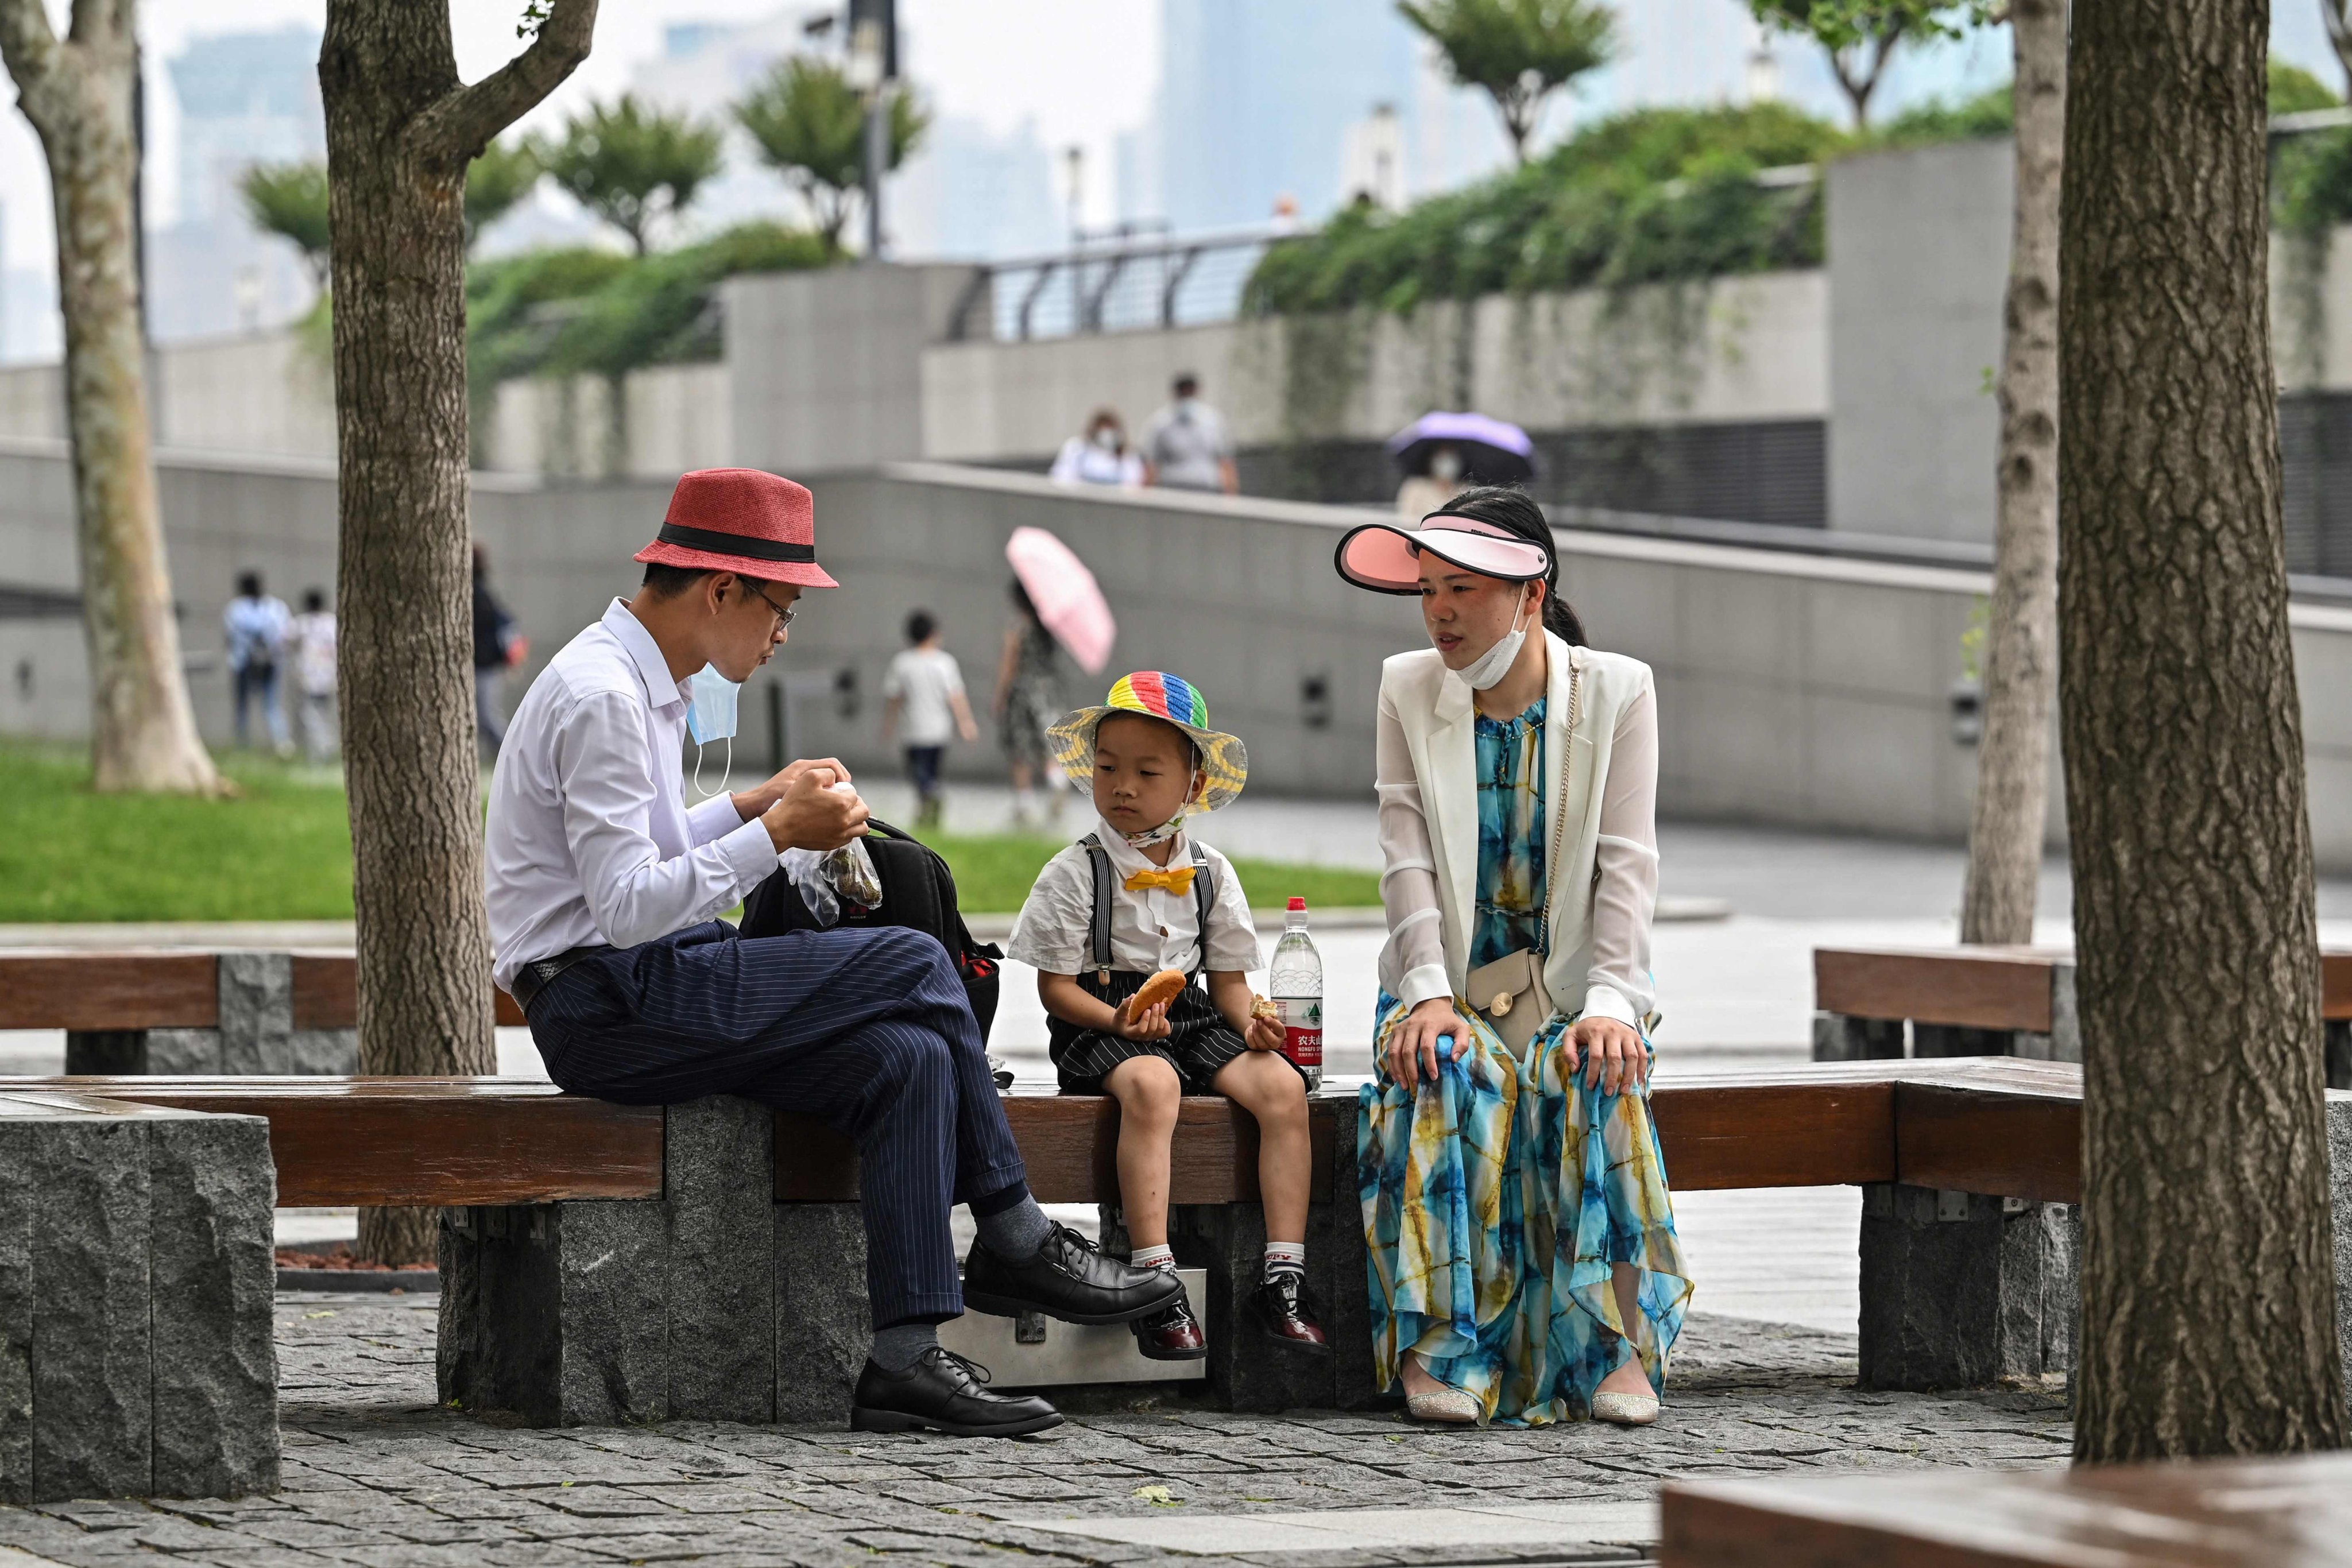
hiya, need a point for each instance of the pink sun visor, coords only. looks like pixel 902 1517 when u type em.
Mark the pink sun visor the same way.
pixel 1386 557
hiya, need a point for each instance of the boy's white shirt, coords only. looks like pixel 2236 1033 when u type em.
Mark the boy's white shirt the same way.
pixel 1149 930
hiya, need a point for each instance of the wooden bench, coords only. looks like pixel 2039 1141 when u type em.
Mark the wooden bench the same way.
pixel 2217 1513
pixel 738 1228
pixel 179 1010
pixel 1885 1003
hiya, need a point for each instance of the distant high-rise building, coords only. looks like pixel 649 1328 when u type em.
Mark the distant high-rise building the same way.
pixel 970 194
pixel 1259 102
pixel 245 99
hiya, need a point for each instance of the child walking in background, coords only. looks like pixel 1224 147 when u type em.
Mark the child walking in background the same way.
pixel 1137 897
pixel 924 687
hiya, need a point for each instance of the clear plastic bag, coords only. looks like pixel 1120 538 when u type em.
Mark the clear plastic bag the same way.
pixel 827 880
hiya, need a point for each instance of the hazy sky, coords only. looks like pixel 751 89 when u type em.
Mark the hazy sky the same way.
pixel 1082 71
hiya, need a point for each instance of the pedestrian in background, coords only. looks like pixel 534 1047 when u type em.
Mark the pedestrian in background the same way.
pixel 312 639
pixel 924 689
pixel 1029 702
pixel 1100 456
pixel 255 624
pixel 1185 447
pixel 497 647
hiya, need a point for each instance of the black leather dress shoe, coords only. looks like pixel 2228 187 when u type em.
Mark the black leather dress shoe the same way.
pixel 1069 1280
pixel 1173 1335
pixel 943 1393
pixel 1279 1304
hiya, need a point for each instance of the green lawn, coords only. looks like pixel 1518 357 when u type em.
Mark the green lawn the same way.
pixel 282 850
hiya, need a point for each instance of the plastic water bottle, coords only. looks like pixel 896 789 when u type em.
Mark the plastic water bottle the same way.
pixel 1296 981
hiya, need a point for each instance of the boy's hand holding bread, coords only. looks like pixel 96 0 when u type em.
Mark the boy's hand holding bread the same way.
pixel 1264 1026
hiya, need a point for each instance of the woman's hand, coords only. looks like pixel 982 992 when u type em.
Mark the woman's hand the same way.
pixel 1412 1043
pixel 1613 1055
pixel 1149 1024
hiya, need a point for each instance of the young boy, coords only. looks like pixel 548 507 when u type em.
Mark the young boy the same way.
pixel 1136 896
pixel 924 685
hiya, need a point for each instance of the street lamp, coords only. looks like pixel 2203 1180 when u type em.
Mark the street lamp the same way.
pixel 873 70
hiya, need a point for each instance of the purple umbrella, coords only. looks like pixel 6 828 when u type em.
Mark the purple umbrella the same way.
pixel 1494 450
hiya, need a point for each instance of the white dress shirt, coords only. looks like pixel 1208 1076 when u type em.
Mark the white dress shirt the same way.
pixel 1150 930
pixel 590 840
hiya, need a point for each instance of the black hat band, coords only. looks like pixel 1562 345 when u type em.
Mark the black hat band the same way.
pixel 718 543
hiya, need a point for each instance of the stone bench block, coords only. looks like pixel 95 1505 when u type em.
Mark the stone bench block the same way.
pixel 136 1276
pixel 1839 1038
pixel 605 1312
pixel 256 1035
pixel 1960 1289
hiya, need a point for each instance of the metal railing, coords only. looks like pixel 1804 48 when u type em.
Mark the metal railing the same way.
pixel 1118 284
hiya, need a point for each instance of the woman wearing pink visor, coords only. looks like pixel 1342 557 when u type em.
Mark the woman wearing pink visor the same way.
pixel 1523 1262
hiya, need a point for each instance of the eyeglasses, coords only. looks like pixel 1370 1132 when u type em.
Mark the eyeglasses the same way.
pixel 784 612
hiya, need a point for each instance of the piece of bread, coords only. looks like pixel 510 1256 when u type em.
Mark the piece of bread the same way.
pixel 1162 987
pixel 1260 1006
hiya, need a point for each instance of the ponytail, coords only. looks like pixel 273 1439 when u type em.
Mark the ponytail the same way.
pixel 1507 507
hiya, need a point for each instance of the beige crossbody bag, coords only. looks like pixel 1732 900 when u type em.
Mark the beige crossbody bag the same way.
pixel 1510 993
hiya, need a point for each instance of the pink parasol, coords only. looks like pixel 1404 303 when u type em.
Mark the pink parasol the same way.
pixel 1068 600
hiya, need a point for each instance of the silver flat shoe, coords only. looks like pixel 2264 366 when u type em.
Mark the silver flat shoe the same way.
pixel 1625 1409
pixel 1442 1407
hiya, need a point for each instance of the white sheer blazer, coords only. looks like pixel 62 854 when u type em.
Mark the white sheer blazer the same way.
pixel 1604 776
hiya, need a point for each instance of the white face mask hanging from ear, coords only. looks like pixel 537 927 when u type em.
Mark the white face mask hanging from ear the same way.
pixel 710 714
pixel 1487 670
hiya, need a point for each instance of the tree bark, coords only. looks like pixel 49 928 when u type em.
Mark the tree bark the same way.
pixel 78 92
pixel 2209 1310
pixel 400 129
pixel 2021 668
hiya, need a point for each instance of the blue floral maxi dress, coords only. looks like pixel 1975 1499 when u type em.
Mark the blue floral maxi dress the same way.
pixel 1497 1199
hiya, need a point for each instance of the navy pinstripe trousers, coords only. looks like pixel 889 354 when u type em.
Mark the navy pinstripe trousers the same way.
pixel 869 1031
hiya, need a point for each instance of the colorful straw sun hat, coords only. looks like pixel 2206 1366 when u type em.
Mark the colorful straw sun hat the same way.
pixel 1155 693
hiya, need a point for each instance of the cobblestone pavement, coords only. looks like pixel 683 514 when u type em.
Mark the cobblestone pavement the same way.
pixel 376 1474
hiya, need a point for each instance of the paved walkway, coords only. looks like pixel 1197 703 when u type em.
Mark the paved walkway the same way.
pixel 376 1474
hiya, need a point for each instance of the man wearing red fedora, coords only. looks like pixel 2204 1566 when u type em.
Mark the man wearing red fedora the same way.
pixel 603 888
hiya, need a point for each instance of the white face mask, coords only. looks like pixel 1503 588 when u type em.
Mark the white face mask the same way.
pixel 1107 438
pixel 1487 670
pixel 710 713
pixel 1446 465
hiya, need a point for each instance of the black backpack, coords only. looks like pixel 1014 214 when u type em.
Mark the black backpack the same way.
pixel 918 892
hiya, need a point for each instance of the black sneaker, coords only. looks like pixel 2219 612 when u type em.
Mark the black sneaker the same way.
pixel 943 1393
pixel 1070 1279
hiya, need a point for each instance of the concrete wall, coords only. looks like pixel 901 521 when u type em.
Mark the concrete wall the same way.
pixel 826 367
pixel 1919 256
pixel 1734 348
pixel 272 393
pixel 669 419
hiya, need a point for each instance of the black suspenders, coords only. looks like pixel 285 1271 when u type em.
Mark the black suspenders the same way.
pixel 1205 895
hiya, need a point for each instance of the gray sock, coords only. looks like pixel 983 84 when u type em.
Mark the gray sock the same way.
pixel 898 1347
pixel 1016 1234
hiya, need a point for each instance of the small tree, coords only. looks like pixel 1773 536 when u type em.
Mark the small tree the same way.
pixel 630 165
pixel 495 181
pixel 1860 37
pixel 78 91
pixel 290 200
pixel 809 123
pixel 1518 52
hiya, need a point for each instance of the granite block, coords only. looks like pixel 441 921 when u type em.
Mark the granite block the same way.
pixel 501 1339
pixel 172 1051
pixel 256 1010
pixel 15 1319
pixel 1959 1039
pixel 1248 1370
pixel 2065 1019
pixel 93 1409
pixel 105 1052
pixel 1348 1302
pixel 719 1178
pixel 213 1275
pixel 823 1322
pixel 329 1052
pixel 2339 1198
pixel 619 1334
pixel 1839 1038
pixel 2338 1036
pixel 1959 1289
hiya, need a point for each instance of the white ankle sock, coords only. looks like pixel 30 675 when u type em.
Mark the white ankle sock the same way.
pixel 1285 1258
pixel 1154 1258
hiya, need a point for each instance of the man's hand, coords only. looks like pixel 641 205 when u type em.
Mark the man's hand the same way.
pixel 755 801
pixel 1613 1056
pixel 818 811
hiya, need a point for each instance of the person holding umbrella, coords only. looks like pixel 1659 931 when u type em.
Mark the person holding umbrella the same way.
pixel 1058 605
pixel 1442 454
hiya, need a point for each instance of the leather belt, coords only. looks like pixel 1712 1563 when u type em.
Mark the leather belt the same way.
pixel 533 976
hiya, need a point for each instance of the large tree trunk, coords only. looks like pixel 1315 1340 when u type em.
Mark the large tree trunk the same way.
pixel 2209 1300
pixel 2021 669
pixel 78 94
pixel 400 131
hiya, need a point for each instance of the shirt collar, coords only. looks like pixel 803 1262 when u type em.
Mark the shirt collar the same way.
pixel 1127 858
pixel 661 691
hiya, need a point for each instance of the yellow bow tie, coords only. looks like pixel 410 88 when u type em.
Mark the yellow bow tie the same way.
pixel 1177 880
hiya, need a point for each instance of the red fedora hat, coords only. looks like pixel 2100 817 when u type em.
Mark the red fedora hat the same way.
pixel 740 520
